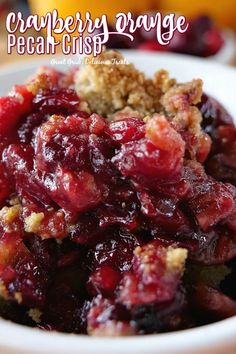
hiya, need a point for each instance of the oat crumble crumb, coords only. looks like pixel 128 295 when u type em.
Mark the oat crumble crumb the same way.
pixel 9 214
pixel 175 259
pixel 35 314
pixel 33 222
pixel 18 297
pixel 122 91
pixel 137 250
pixel 109 87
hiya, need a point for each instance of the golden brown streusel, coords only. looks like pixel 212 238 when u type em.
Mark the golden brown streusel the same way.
pixel 33 222
pixel 109 87
pixel 18 297
pixel 35 314
pixel 122 91
pixel 175 259
pixel 9 214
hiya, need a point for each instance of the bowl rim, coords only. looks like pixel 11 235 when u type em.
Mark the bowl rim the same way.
pixel 30 63
pixel 227 52
pixel 38 341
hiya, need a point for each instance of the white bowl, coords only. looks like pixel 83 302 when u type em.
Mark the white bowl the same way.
pixel 217 338
pixel 227 54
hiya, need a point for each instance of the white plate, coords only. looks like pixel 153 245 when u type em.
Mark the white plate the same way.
pixel 217 338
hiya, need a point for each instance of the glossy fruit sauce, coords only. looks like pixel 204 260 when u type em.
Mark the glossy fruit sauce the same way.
pixel 110 228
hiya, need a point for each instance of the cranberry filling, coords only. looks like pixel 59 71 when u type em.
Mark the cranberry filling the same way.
pixel 100 219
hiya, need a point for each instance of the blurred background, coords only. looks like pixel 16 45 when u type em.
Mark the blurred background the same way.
pixel 211 32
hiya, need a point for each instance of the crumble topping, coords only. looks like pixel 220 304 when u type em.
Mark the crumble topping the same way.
pixel 109 88
pixel 175 259
pixel 9 214
pixel 39 82
pixel 33 222
pixel 117 91
pixel 35 314
pixel 18 297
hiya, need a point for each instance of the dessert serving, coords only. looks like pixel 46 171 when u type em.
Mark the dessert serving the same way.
pixel 118 202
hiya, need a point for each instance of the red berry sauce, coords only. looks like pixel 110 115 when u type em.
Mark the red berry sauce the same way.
pixel 102 223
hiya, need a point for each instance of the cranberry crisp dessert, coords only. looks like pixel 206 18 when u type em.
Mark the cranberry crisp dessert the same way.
pixel 118 202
